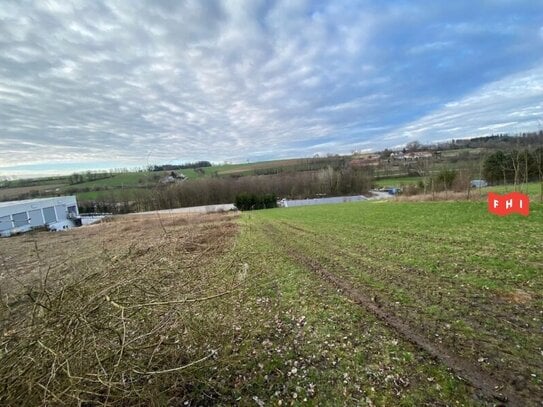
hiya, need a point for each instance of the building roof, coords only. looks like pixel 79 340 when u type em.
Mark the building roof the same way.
pixel 37 200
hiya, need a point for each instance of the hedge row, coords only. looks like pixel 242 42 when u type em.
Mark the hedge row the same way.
pixel 249 202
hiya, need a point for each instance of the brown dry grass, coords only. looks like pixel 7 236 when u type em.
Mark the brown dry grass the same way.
pixel 517 296
pixel 96 315
pixel 7 194
pixel 263 165
pixel 442 196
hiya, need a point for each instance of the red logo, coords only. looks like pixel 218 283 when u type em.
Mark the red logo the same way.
pixel 503 205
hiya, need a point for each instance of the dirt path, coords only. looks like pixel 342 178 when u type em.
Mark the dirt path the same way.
pixel 485 383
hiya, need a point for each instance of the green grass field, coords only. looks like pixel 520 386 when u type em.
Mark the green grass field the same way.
pixel 461 277
pixel 531 188
pixel 113 195
pixel 121 187
pixel 132 179
pixel 293 164
pixel 119 180
pixel 150 179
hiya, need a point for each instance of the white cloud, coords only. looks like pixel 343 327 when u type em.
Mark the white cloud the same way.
pixel 513 104
pixel 92 81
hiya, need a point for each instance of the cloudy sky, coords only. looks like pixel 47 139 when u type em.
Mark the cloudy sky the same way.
pixel 92 84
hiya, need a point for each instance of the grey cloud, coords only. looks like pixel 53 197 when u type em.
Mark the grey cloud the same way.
pixel 92 81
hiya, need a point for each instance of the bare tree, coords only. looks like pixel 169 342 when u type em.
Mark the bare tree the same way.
pixel 538 160
pixel 423 169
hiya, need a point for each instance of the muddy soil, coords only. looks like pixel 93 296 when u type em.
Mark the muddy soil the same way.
pixel 492 388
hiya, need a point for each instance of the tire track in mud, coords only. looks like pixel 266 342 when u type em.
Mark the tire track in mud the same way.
pixel 370 270
pixel 488 386
pixel 516 371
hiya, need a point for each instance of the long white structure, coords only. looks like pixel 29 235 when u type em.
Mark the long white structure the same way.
pixel 288 203
pixel 20 216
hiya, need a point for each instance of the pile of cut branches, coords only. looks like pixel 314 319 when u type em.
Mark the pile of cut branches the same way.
pixel 124 327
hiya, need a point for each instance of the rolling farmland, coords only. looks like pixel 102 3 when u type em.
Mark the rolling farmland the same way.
pixel 390 303
pixel 449 272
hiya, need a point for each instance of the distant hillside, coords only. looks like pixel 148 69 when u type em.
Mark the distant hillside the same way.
pixel 414 165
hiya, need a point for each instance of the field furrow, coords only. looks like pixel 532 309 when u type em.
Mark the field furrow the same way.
pixel 484 309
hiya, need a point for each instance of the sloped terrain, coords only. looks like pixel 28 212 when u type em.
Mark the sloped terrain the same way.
pixel 432 303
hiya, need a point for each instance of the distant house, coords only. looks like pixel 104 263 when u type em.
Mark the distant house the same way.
pixel 411 156
pixel 172 177
pixel 418 155
pixel 478 183
pixel 56 213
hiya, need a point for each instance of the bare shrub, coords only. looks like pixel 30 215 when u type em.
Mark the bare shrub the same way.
pixel 440 196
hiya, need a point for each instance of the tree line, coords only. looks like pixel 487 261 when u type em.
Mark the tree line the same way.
pixel 80 177
pixel 250 202
pixel 515 166
pixel 502 141
pixel 172 167
pixel 209 191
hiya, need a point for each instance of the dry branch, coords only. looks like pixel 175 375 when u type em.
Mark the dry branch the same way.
pixel 90 329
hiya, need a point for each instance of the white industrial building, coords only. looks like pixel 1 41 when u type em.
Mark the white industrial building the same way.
pixel 56 213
